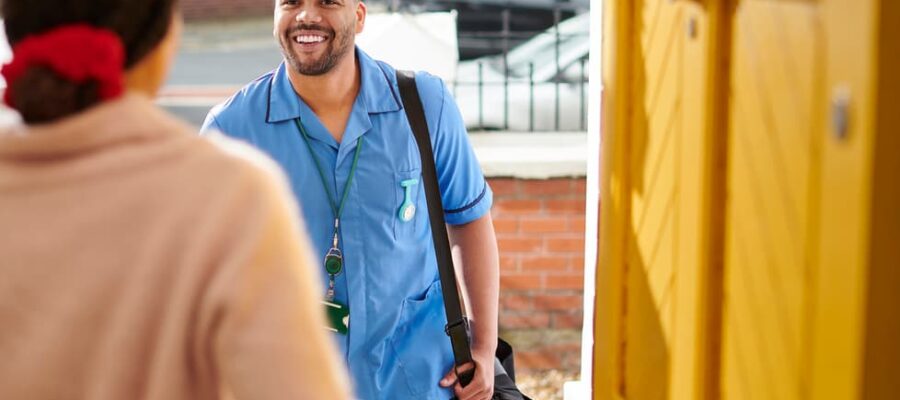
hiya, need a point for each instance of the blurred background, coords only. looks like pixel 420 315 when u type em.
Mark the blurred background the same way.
pixel 515 65
pixel 519 72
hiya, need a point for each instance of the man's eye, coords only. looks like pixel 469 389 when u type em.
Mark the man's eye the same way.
pixel 289 2
pixel 329 2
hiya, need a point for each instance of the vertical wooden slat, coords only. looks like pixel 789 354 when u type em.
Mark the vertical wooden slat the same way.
pixel 614 182
pixel 882 353
pixel 709 340
pixel 846 199
pixel 773 88
pixel 655 135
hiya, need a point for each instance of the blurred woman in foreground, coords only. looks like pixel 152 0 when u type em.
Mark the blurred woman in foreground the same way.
pixel 137 260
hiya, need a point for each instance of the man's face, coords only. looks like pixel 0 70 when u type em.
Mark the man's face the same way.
pixel 316 34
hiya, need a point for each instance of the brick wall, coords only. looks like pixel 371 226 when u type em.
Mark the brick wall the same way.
pixel 540 232
pixel 212 9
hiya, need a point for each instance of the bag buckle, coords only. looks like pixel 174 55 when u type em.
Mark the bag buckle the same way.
pixel 462 322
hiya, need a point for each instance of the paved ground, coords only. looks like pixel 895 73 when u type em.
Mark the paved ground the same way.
pixel 547 385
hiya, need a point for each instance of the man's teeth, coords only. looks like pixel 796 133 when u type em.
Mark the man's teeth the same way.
pixel 309 39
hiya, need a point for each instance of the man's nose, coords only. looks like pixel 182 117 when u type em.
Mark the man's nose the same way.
pixel 308 15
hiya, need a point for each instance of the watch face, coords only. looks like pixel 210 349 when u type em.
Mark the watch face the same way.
pixel 408 213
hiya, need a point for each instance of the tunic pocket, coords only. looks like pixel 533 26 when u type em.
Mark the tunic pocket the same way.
pixel 421 347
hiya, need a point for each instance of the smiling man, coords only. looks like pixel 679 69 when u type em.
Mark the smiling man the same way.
pixel 332 117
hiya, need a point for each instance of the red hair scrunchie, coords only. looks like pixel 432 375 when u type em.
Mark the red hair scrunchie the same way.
pixel 77 53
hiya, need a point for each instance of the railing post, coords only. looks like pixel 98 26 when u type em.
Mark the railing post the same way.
pixel 531 97
pixel 581 101
pixel 480 95
pixel 556 18
pixel 506 18
pixel 455 84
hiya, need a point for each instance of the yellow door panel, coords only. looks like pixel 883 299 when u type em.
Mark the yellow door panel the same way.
pixel 775 79
pixel 667 79
pixel 656 131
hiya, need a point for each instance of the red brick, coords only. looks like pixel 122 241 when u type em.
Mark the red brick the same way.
pixel 509 206
pixel 506 225
pixel 563 302
pixel 568 281
pixel 527 321
pixel 558 302
pixel 565 245
pixel 545 263
pixel 544 225
pixel 579 186
pixel 537 360
pixel 553 187
pixel 569 353
pixel 521 281
pixel 515 303
pixel 571 361
pixel 519 245
pixel 576 224
pixel 504 187
pixel 565 206
pixel 567 321
pixel 563 348
pixel 576 261
pixel 508 263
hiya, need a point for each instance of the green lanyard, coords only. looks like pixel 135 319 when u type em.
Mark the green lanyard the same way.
pixel 334 259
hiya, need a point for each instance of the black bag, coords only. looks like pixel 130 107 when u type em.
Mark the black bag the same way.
pixel 457 326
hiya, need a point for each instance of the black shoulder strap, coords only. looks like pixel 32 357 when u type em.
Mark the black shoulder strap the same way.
pixel 457 327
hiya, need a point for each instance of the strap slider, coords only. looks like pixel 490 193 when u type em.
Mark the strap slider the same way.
pixel 462 322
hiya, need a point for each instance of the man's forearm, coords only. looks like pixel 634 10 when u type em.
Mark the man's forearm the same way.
pixel 480 265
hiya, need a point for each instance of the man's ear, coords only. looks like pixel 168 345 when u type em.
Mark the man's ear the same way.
pixel 360 16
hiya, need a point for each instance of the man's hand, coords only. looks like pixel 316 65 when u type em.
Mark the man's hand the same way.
pixel 482 385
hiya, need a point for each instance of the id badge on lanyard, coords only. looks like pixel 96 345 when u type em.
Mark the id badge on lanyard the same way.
pixel 338 314
pixel 338 317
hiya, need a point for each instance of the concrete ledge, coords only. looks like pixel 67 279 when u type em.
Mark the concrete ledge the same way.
pixel 542 155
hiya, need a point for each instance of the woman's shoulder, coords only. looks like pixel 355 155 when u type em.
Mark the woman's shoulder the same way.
pixel 213 167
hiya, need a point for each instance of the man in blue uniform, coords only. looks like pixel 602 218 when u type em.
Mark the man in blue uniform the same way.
pixel 332 117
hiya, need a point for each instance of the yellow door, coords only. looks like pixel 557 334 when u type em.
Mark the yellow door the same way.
pixel 750 200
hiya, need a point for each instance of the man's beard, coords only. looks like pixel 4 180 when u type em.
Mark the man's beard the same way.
pixel 338 47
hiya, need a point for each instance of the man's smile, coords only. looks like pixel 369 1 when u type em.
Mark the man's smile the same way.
pixel 309 40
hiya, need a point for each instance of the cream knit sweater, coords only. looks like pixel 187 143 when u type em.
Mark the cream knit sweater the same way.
pixel 139 261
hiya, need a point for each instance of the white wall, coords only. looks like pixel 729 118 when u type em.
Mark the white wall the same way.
pixel 581 390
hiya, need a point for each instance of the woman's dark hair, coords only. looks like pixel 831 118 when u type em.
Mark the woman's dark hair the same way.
pixel 40 95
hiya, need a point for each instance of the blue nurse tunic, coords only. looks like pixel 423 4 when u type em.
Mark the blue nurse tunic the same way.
pixel 396 347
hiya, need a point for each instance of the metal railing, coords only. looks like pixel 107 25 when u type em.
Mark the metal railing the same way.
pixel 547 85
pixel 539 96
pixel 559 122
